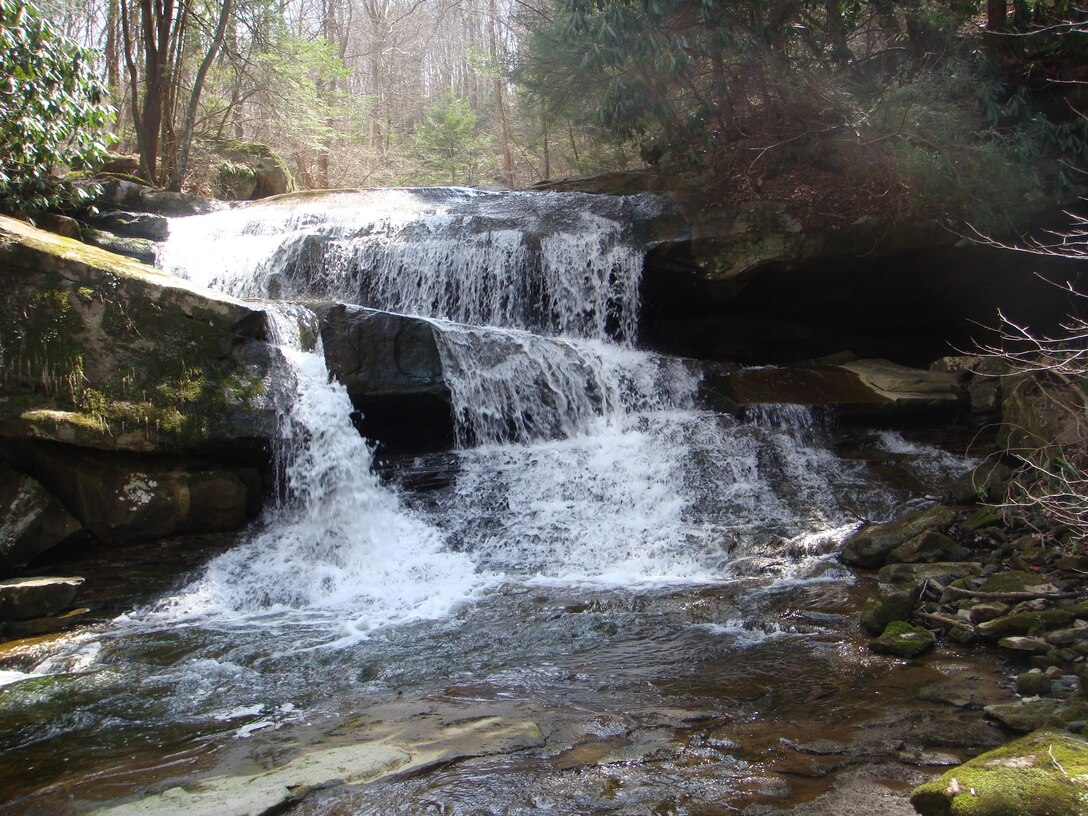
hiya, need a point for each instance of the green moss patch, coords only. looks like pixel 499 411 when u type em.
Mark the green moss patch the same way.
pixel 1042 774
pixel 95 348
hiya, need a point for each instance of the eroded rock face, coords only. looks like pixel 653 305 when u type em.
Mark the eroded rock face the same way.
pixel 32 520
pixel 856 387
pixel 392 369
pixel 124 499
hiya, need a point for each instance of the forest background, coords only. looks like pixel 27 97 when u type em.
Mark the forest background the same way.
pixel 945 107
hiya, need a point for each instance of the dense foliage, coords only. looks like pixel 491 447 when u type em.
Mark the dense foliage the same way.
pixel 909 99
pixel 53 111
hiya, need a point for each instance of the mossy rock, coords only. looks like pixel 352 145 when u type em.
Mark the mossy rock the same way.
pixel 253 161
pixel 1013 581
pixel 1032 623
pixel 1028 715
pixel 987 482
pixel 1042 774
pixel 100 351
pixel 928 547
pixel 869 547
pixel 890 602
pixel 235 181
pixel 900 639
pixel 983 517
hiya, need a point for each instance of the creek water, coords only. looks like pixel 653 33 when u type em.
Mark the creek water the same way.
pixel 640 578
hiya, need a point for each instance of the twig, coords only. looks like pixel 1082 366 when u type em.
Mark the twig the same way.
pixel 1015 596
pixel 944 620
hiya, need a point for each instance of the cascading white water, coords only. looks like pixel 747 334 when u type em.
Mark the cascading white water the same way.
pixel 559 264
pixel 582 459
pixel 338 545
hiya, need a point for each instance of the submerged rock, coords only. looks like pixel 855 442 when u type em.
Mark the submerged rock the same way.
pixel 1043 774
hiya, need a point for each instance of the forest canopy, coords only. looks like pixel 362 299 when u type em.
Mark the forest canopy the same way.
pixel 930 105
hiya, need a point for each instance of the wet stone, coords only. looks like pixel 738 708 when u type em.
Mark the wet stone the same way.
pixel 1033 684
pixel 900 639
pixel 1024 644
pixel 983 612
pixel 36 627
pixel 26 598
pixel 890 602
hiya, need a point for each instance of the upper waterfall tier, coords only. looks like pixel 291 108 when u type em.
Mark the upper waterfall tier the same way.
pixel 555 263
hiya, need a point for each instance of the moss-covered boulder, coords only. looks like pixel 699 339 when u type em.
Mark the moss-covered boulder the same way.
pixel 104 352
pixel 869 547
pixel 1042 774
pixel 900 639
pixel 251 170
pixel 890 602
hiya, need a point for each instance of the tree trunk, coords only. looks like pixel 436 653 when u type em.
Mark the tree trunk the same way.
pixel 997 15
pixel 500 108
pixel 186 143
pixel 547 154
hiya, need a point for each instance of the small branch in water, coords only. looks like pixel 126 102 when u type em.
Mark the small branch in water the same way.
pixel 1015 596
pixel 944 620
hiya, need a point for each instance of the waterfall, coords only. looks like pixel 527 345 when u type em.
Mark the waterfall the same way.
pixel 580 458
pixel 544 262
pixel 338 544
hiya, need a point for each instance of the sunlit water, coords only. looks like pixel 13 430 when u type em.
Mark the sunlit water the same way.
pixel 598 544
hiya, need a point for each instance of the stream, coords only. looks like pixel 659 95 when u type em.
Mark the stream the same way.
pixel 608 599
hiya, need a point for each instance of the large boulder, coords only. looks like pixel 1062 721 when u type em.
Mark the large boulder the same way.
pixel 126 498
pixel 249 171
pixel 32 520
pixel 1042 774
pixel 101 351
pixel 391 366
